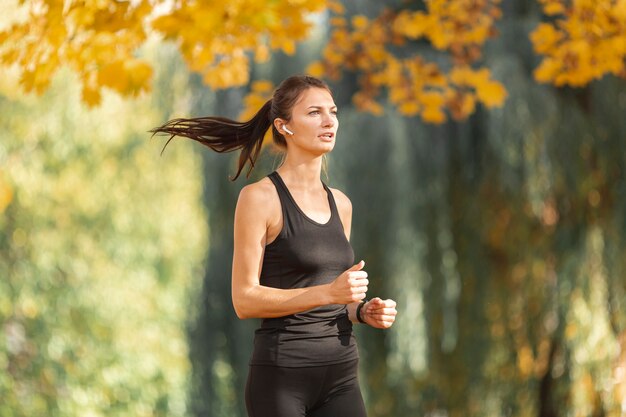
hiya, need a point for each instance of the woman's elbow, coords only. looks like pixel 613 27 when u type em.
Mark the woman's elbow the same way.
pixel 240 307
pixel 242 314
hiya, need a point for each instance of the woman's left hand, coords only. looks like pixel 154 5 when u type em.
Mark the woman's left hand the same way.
pixel 379 313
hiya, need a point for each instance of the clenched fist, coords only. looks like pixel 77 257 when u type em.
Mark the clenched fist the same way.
pixel 350 286
pixel 379 313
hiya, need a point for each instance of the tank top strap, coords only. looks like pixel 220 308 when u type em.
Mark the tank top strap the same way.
pixel 283 193
pixel 333 204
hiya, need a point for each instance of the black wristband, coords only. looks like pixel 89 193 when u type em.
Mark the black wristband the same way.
pixel 358 311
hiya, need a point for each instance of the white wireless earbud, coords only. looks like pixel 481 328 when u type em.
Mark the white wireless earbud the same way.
pixel 287 130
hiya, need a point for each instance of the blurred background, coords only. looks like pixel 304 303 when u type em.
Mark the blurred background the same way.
pixel 482 143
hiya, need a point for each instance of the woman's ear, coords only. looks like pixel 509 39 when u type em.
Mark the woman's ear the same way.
pixel 279 124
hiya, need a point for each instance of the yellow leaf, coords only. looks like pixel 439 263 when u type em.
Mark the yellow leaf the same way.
pixel 377 54
pixel 617 45
pixel 462 76
pixel 545 38
pixel 289 47
pixel 316 69
pixel 491 94
pixel 615 66
pixel 139 74
pixel 80 16
pixel 202 58
pixel 113 75
pixel 56 35
pixel 286 44
pixel 398 95
pixel 619 10
pixel 206 20
pixel 547 70
pixel 411 25
pixel 371 106
pixel 333 57
pixel 340 37
pixel 553 8
pixel 581 48
pixel 91 96
pixel 433 115
pixel 409 108
pixel 360 22
pixel 35 80
pixel 338 21
pixel 431 99
pixel 262 86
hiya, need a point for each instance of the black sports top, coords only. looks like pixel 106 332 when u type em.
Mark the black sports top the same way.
pixel 305 253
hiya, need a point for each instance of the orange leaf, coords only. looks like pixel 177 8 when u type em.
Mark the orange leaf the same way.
pixel 360 22
pixel 316 69
pixel 491 94
pixel 91 96
pixel 433 115
pixel 409 108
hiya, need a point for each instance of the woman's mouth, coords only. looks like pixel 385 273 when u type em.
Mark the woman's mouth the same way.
pixel 327 137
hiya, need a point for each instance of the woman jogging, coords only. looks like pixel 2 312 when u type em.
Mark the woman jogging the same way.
pixel 293 265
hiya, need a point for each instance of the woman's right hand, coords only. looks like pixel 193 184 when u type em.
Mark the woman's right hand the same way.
pixel 350 286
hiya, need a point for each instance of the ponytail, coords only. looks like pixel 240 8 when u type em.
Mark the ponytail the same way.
pixel 224 135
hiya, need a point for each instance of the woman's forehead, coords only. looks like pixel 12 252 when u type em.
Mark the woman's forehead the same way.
pixel 318 97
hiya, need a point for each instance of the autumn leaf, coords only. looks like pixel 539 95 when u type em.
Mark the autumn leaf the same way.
pixel 91 96
pixel 99 40
pixel 545 38
pixel 585 41
pixel 491 94
pixel 360 22
pixel 416 86
pixel 553 7
pixel 433 115
pixel 409 108
pixel 316 69
pixel 113 75
pixel 547 70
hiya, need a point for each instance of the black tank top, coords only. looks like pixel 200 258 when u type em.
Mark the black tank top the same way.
pixel 305 253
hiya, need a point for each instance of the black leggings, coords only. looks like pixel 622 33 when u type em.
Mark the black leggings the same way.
pixel 314 391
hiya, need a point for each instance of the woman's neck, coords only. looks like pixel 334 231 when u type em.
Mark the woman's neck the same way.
pixel 303 174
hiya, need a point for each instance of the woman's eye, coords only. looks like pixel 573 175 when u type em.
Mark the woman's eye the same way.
pixel 314 112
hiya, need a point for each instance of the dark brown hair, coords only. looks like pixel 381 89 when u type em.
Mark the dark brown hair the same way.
pixel 225 135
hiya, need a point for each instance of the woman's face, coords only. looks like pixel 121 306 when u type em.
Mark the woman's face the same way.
pixel 313 122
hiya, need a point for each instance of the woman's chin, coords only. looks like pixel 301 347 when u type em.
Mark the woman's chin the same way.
pixel 327 146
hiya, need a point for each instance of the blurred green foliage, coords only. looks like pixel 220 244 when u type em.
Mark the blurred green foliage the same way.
pixel 101 248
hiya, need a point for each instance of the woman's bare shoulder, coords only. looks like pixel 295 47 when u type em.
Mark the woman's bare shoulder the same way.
pixel 260 196
pixel 344 205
